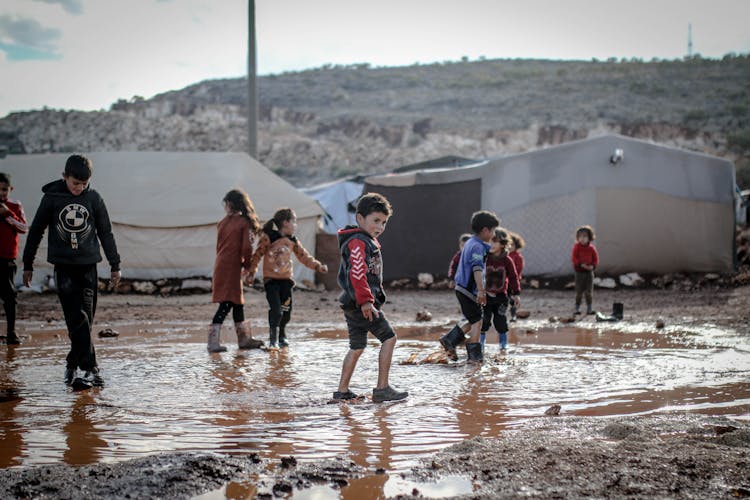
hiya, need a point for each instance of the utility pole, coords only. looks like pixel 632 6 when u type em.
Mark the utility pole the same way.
pixel 690 39
pixel 252 84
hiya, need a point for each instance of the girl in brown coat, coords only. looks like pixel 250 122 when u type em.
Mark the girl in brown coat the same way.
pixel 278 243
pixel 234 251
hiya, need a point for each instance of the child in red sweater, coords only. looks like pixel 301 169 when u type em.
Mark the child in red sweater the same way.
pixel 453 267
pixel 517 243
pixel 585 259
pixel 12 222
pixel 502 285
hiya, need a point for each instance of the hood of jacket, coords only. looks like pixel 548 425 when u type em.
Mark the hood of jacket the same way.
pixel 275 235
pixel 349 232
pixel 59 188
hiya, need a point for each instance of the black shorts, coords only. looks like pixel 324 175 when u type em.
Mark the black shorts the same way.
pixel 469 308
pixel 359 326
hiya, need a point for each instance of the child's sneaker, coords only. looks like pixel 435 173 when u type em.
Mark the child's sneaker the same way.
pixel 388 394
pixel 344 396
pixel 513 318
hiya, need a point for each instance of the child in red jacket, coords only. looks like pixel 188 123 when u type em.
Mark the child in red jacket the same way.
pixel 585 259
pixel 12 222
pixel 517 243
pixel 453 267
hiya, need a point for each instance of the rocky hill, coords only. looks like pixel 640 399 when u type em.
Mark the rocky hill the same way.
pixel 334 121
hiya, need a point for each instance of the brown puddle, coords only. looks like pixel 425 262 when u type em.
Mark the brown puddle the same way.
pixel 165 393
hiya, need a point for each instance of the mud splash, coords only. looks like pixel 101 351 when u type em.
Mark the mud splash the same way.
pixel 165 393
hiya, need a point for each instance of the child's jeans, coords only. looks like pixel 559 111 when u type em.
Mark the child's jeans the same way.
pixel 8 292
pixel 495 312
pixel 584 286
pixel 77 288
pixel 279 296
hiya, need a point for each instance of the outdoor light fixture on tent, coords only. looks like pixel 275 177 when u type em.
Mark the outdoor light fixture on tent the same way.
pixel 617 157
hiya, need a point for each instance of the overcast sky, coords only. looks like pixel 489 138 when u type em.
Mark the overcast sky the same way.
pixel 85 54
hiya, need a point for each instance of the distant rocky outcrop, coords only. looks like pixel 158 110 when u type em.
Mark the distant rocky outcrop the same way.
pixel 333 121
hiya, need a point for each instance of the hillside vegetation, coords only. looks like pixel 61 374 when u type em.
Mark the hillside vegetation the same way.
pixel 333 121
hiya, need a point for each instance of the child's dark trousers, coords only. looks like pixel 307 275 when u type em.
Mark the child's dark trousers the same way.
pixel 77 287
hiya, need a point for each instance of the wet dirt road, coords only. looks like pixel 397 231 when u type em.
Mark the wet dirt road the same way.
pixel 165 393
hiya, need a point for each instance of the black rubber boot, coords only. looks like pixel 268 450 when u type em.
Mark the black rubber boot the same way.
pixel 282 338
pixel 453 338
pixel 618 310
pixel 12 339
pixel 474 351
pixel 272 338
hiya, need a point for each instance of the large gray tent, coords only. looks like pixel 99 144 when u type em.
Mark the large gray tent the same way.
pixel 656 210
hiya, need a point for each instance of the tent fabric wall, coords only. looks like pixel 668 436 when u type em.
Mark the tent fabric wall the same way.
pixel 422 235
pixel 546 194
pixel 654 233
pixel 164 206
pixel 548 224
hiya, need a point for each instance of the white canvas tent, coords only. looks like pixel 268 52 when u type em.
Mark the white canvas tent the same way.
pixel 164 206
pixel 338 199
pixel 657 210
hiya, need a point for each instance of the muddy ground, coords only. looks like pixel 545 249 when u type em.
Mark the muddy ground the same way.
pixel 673 455
pixel 667 456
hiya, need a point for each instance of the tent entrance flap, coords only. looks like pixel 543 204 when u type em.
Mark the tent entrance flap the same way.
pixel 422 236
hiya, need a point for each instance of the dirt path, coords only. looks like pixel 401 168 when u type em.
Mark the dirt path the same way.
pixel 671 455
pixel 726 307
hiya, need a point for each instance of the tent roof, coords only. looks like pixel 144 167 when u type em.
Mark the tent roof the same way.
pixel 164 189
pixel 559 170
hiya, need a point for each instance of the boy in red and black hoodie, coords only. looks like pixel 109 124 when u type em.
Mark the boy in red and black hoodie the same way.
pixel 12 223
pixel 361 280
pixel 585 259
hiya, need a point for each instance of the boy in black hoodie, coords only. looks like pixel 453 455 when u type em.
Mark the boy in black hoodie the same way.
pixel 361 280
pixel 78 220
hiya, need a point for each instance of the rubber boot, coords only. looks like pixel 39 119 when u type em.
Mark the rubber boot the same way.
pixel 503 341
pixel 450 340
pixel 213 339
pixel 482 338
pixel 474 351
pixel 618 310
pixel 245 338
pixel 272 338
pixel 577 309
pixel 12 339
pixel 282 337
pixel 589 309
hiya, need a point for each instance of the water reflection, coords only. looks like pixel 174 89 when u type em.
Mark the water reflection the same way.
pixel 165 393
pixel 82 436
pixel 11 431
